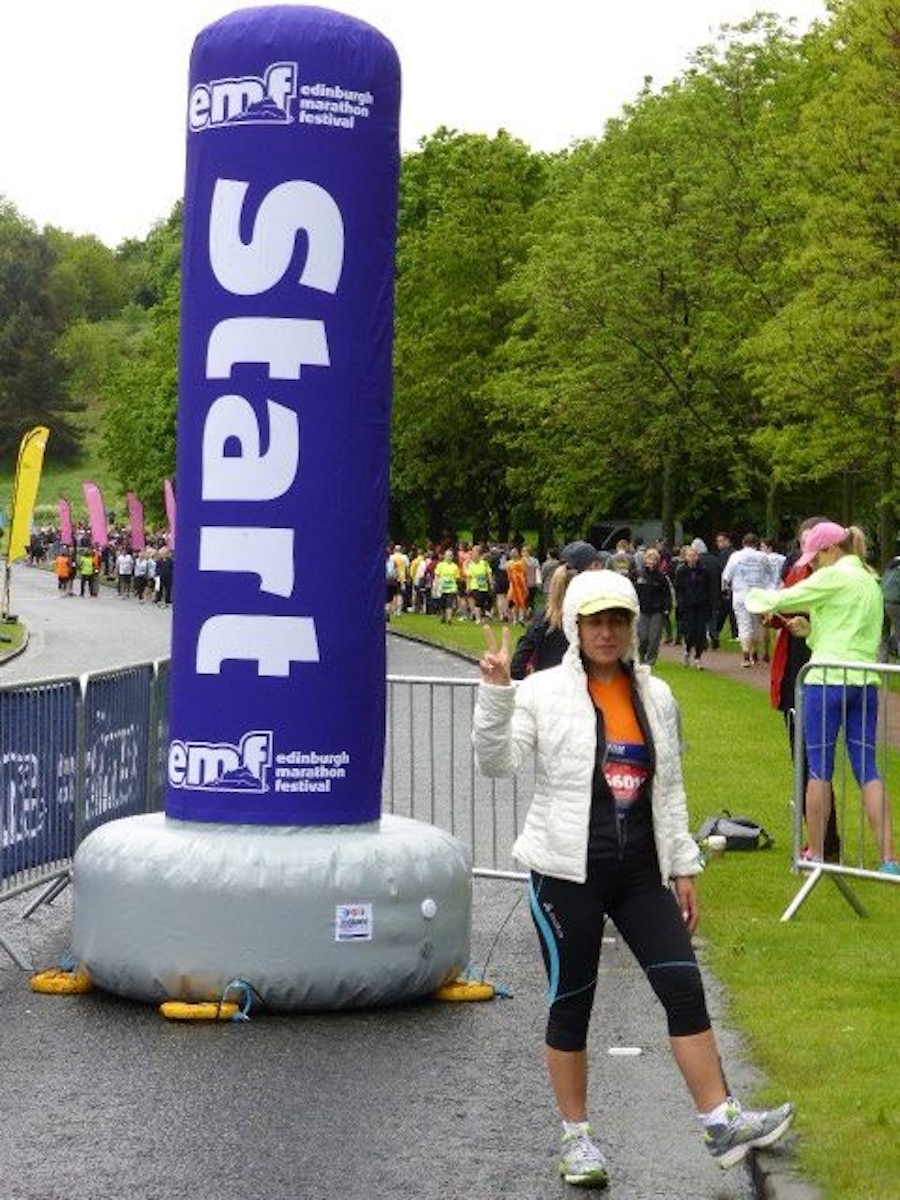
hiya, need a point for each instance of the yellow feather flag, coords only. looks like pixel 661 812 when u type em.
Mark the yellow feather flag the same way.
pixel 25 488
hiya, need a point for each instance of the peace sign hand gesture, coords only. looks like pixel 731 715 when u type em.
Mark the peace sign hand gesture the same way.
pixel 494 663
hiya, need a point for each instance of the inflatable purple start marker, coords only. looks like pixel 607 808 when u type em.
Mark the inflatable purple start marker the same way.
pixel 278 668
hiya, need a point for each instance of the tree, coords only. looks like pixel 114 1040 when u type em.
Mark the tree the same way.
pixel 648 268
pixel 32 380
pixel 463 219
pixel 86 280
pixel 827 364
pixel 142 393
pixel 126 365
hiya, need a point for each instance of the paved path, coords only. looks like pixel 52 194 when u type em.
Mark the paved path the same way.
pixel 74 634
pixel 104 1100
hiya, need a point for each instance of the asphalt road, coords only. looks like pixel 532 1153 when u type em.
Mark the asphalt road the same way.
pixel 103 1099
pixel 74 634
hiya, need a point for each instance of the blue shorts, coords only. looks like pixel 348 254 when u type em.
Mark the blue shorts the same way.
pixel 826 708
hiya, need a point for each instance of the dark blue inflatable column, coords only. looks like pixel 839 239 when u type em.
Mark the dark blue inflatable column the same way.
pixel 278 672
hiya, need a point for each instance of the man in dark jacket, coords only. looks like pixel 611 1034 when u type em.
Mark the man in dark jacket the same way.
pixel 655 599
pixel 692 593
pixel 713 566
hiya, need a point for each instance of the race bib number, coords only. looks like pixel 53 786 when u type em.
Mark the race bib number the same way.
pixel 626 770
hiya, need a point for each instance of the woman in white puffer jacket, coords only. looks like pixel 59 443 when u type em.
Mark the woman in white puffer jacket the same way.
pixel 607 836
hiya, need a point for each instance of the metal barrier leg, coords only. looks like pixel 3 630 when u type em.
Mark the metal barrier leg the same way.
pixel 55 888
pixel 839 882
pixel 849 895
pixel 814 876
pixel 20 963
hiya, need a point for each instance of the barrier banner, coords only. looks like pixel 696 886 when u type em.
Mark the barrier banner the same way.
pixel 136 521
pixel 37 776
pixel 169 500
pixel 117 729
pixel 278 657
pixel 93 499
pixel 65 522
pixel 29 465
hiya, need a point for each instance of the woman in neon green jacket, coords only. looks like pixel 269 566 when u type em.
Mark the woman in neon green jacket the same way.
pixel 845 608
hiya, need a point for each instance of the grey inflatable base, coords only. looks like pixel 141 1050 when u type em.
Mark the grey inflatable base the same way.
pixel 312 918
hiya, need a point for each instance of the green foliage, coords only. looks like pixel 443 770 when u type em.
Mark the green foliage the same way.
pixel 32 387
pixel 151 265
pixel 827 363
pixel 139 418
pixel 463 218
pixel 644 276
pixel 86 280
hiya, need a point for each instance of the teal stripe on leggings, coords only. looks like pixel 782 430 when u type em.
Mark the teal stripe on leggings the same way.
pixel 549 941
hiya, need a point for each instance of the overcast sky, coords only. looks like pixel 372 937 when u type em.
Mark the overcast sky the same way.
pixel 93 92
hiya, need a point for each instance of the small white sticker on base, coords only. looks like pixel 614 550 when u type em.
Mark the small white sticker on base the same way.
pixel 353 923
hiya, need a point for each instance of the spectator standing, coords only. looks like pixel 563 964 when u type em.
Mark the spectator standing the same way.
pixel 548 566
pixel 544 642
pixel 416 558
pixel 400 560
pixel 606 836
pixel 140 575
pixel 532 579
pixel 692 596
pixel 446 583
pixel 125 572
pixel 517 587
pixel 478 584
pixel 846 611
pixel 724 551
pixel 789 655
pixel 151 574
pixel 667 564
pixel 165 574
pixel 64 574
pixel 498 560
pixel 622 559
pixel 655 599
pixel 775 561
pixel 422 569
pixel 86 570
pixel 714 570
pixel 391 586
pixel 463 555
pixel 890 590
pixel 747 568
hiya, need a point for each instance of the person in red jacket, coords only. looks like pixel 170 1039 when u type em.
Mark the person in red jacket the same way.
pixel 790 653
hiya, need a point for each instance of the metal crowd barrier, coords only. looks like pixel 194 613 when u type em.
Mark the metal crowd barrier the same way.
pixel 859 855
pixel 430 772
pixel 76 752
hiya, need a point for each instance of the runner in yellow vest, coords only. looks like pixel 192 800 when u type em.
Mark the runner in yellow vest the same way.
pixel 446 575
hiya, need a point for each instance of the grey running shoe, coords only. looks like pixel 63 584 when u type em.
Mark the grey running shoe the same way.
pixel 746 1130
pixel 580 1162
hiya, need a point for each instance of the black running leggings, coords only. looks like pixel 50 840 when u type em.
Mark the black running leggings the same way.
pixel 570 917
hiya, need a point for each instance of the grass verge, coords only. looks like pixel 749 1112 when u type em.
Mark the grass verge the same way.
pixel 816 998
pixel 12 635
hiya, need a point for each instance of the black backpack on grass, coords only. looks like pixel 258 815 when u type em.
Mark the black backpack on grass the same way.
pixel 740 833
